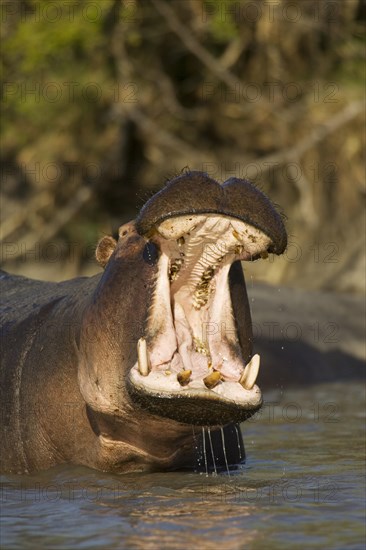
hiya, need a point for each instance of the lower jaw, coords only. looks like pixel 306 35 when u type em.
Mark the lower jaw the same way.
pixel 200 407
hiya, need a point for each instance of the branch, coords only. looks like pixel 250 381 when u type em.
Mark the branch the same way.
pixel 164 137
pixel 316 136
pixel 215 65
pixel 193 45
pixel 48 231
pixel 14 222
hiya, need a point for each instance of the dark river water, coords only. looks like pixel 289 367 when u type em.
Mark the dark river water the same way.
pixel 303 486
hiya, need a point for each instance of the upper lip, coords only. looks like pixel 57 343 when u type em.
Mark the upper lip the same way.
pixel 196 193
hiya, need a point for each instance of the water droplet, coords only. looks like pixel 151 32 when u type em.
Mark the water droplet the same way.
pixel 212 452
pixel 224 450
pixel 204 449
pixel 238 438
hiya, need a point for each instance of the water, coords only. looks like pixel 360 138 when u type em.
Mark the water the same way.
pixel 303 486
pixel 212 453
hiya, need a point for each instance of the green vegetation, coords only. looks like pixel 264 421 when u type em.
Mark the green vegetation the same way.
pixel 102 101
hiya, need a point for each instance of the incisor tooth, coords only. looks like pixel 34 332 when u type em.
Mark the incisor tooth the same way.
pixel 183 377
pixel 250 373
pixel 142 358
pixel 211 380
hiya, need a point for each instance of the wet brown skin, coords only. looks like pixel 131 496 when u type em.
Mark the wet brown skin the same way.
pixel 67 348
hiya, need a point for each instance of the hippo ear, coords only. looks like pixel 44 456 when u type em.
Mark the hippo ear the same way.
pixel 104 250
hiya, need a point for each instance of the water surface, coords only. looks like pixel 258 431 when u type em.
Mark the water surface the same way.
pixel 303 486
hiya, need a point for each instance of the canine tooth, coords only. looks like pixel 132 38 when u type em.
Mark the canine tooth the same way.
pixel 211 380
pixel 142 358
pixel 183 377
pixel 180 241
pixel 250 373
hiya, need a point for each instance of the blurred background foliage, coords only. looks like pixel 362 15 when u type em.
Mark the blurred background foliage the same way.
pixel 104 101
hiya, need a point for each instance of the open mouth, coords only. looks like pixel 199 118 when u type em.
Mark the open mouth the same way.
pixel 191 367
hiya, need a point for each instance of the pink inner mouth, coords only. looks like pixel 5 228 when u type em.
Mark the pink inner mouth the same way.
pixel 191 326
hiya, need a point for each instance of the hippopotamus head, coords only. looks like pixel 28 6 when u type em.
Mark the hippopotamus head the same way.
pixel 168 332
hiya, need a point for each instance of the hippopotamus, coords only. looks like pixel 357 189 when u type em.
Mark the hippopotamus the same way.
pixel 121 371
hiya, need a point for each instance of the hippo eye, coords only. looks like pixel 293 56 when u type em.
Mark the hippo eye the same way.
pixel 150 253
